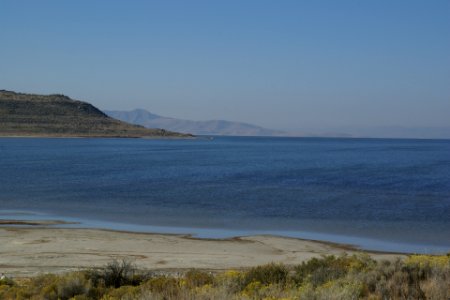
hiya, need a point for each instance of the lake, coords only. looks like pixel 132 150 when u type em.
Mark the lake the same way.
pixel 379 194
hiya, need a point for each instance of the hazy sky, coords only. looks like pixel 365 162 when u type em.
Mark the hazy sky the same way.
pixel 280 64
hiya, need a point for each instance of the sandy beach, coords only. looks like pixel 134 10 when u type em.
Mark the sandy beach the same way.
pixel 34 250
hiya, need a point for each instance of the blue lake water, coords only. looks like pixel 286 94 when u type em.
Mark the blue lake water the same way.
pixel 391 195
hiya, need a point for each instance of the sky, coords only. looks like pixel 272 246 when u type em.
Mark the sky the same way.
pixel 292 65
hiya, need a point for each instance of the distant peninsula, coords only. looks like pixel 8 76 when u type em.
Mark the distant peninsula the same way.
pixel 60 116
pixel 212 127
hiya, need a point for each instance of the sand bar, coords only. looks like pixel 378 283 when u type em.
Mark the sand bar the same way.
pixel 33 250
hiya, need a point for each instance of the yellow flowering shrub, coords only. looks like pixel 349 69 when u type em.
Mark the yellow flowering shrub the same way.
pixel 428 260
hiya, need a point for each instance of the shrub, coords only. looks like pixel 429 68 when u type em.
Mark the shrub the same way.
pixel 437 287
pixel 321 270
pixel 118 273
pixel 232 281
pixel 196 278
pixel 169 287
pixel 6 281
pixel 399 281
pixel 124 292
pixel 114 274
pixel 340 289
pixel 438 261
pixel 72 285
pixel 345 277
pixel 267 274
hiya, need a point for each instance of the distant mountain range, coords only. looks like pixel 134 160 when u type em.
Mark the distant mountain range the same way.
pixel 221 127
pixel 213 127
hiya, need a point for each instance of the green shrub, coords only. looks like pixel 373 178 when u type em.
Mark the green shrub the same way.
pixel 6 281
pixel 321 270
pixel 267 274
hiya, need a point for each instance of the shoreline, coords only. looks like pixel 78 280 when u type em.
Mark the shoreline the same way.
pixel 348 242
pixel 36 249
pixel 43 224
pixel 13 222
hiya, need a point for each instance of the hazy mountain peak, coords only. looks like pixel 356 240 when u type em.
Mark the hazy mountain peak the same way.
pixel 211 127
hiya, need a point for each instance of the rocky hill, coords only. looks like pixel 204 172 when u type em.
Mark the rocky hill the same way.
pixel 213 127
pixel 58 115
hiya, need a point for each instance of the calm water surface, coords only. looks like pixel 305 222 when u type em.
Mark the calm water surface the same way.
pixel 379 194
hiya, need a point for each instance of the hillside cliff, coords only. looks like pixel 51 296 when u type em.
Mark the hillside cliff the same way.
pixel 58 115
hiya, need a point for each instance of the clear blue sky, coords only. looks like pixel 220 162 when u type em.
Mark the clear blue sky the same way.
pixel 280 64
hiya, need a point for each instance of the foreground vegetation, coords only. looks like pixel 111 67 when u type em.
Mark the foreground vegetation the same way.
pixel 330 277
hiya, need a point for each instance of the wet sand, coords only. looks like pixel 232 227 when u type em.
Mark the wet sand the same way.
pixel 31 250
